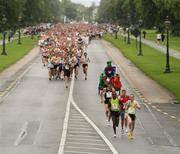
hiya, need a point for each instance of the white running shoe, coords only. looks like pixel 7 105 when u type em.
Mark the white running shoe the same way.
pixel 108 123
pixel 114 135
pixel 122 131
pixel 126 130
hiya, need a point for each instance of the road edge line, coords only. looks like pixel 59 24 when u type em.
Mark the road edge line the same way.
pixel 65 123
pixel 95 127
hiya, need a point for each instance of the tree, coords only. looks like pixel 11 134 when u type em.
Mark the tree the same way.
pixel 153 12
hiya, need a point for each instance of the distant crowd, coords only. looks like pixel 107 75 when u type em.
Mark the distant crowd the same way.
pixel 64 49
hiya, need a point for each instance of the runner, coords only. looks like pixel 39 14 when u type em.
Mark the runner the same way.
pixel 85 60
pixel 109 72
pixel 62 42
pixel 50 68
pixel 67 72
pixel 44 56
pixel 107 98
pixel 61 66
pixel 124 118
pixel 131 108
pixel 114 109
pixel 101 84
pixel 117 84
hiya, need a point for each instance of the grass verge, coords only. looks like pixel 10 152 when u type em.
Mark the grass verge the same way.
pixel 152 63
pixel 15 52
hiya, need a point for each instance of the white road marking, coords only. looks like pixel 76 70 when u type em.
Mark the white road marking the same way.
pixel 83 136
pixel 22 134
pixel 82 143
pixel 148 138
pixel 65 125
pixel 83 132
pixel 170 139
pixel 75 118
pixel 13 85
pixel 173 117
pixel 77 129
pixel 73 125
pixel 86 148
pixel 96 128
pixel 85 139
pixel 78 152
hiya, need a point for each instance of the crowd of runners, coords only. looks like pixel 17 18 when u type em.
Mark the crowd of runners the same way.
pixel 117 103
pixel 63 49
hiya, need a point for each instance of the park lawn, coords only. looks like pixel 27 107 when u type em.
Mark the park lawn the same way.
pixel 16 52
pixel 1 36
pixel 174 41
pixel 152 63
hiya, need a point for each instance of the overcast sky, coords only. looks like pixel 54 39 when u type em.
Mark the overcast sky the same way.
pixel 86 2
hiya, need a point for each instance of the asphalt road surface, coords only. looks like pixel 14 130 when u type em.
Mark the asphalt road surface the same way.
pixel 32 117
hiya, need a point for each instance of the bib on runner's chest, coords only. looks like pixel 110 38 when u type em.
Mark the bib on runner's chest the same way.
pixel 115 104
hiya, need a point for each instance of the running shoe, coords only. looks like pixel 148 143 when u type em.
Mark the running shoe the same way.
pixel 130 135
pixel 126 130
pixel 114 135
pixel 108 123
pixel 122 131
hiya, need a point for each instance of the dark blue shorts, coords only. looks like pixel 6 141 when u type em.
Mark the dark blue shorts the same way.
pixel 122 114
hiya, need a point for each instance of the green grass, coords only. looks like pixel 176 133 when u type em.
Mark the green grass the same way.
pixel 16 52
pixel 1 36
pixel 174 41
pixel 152 63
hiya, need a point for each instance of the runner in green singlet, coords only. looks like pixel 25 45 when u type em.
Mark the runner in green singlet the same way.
pixel 114 108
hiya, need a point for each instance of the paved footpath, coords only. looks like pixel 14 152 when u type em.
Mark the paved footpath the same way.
pixel 36 114
pixel 9 76
pixel 161 48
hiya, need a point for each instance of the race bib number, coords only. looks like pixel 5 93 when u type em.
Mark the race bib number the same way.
pixel 115 106
pixel 108 94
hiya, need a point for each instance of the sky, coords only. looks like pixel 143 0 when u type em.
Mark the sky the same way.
pixel 86 2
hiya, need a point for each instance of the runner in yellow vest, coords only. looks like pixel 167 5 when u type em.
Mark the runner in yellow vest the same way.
pixel 115 108
pixel 131 110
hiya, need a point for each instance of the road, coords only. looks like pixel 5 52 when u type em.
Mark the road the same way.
pixel 32 116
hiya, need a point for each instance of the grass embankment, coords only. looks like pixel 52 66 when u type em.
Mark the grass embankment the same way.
pixel 15 52
pixel 174 41
pixel 152 63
